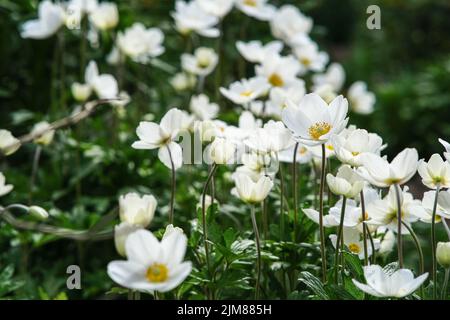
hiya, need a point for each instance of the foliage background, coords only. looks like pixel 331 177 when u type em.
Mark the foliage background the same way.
pixel 406 64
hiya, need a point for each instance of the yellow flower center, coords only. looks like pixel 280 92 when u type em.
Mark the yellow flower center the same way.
pixel 251 3
pixel 275 80
pixel 302 150
pixel 329 147
pixel 202 63
pixel 319 129
pixel 353 247
pixel 354 153
pixel 247 93
pixel 157 272
pixel 366 217
pixel 305 61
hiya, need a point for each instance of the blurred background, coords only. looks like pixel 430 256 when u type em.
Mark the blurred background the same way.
pixel 406 64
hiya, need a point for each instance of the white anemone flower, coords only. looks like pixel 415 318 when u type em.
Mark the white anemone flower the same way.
pixel 382 284
pixel 255 51
pixel 273 137
pixel 202 108
pixel 346 182
pixel 379 172
pixel 50 19
pixel 352 146
pixel 256 166
pixel 141 44
pixel 189 17
pixel 137 210
pixel 244 91
pixel 222 151
pixel 361 100
pixel 447 149
pixel 384 212
pixel 4 188
pixel 291 25
pixel 310 58
pixel 313 121
pixel 435 172
pixel 253 191
pixel 201 63
pixel 162 136
pixel 152 265
pixel 183 81
pixel 278 70
pixel 444 203
pixel 258 9
pixel 424 210
pixel 121 233
pixel 354 243
pixel 105 16
pixel 218 8
pixel 334 76
pixel 104 85
pixel 8 143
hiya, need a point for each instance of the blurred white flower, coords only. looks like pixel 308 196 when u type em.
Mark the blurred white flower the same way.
pixel 205 130
pixel 252 191
pixel 121 233
pixel 379 172
pixel 354 243
pixel 152 265
pixel 443 254
pixel 435 172
pixel 346 182
pixel 208 202
pixel 313 121
pixel 326 92
pixel 105 16
pixel 398 284
pixel 278 97
pixel 202 108
pixel 384 212
pixel 183 81
pixel 162 136
pixel 255 51
pixel 8 143
pixel 290 25
pixel 4 188
pixel 137 210
pixel 351 147
pixel 189 17
pixel 424 210
pixel 50 19
pixel 334 76
pixel 141 44
pixel 222 151
pixel 273 137
pixel 388 242
pixel 447 149
pixel 244 91
pixel 310 58
pixel 303 154
pixel 104 85
pixel 38 212
pixel 201 63
pixel 279 71
pixel 81 91
pixel 44 133
pixel 218 8
pixel 361 100
pixel 444 203
pixel 258 9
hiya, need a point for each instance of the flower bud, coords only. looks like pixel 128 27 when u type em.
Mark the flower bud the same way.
pixel 38 212
pixel 80 91
pixel 8 143
pixel 137 210
pixel 222 151
pixel 443 254
pixel 45 133
pixel 171 229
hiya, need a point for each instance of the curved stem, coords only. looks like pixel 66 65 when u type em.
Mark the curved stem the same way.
pixel 295 190
pixel 205 229
pixel 399 227
pixel 173 184
pixel 258 251
pixel 418 247
pixel 37 156
pixel 339 239
pixel 433 241
pixel 363 218
pixel 282 216
pixel 322 231
pixel 444 287
pixel 372 244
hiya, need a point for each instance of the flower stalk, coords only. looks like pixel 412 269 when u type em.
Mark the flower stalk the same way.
pixel 399 227
pixel 258 252
pixel 433 241
pixel 173 187
pixel 295 189
pixel 340 239
pixel 363 219
pixel 321 228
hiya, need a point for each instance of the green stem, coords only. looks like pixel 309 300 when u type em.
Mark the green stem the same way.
pixel 444 287
pixel 34 170
pixel 322 231
pixel 372 244
pixel 363 218
pixel 258 251
pixel 282 216
pixel 173 187
pixel 339 239
pixel 295 190
pixel 399 227
pixel 433 241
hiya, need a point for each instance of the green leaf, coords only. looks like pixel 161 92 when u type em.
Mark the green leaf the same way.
pixel 314 284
